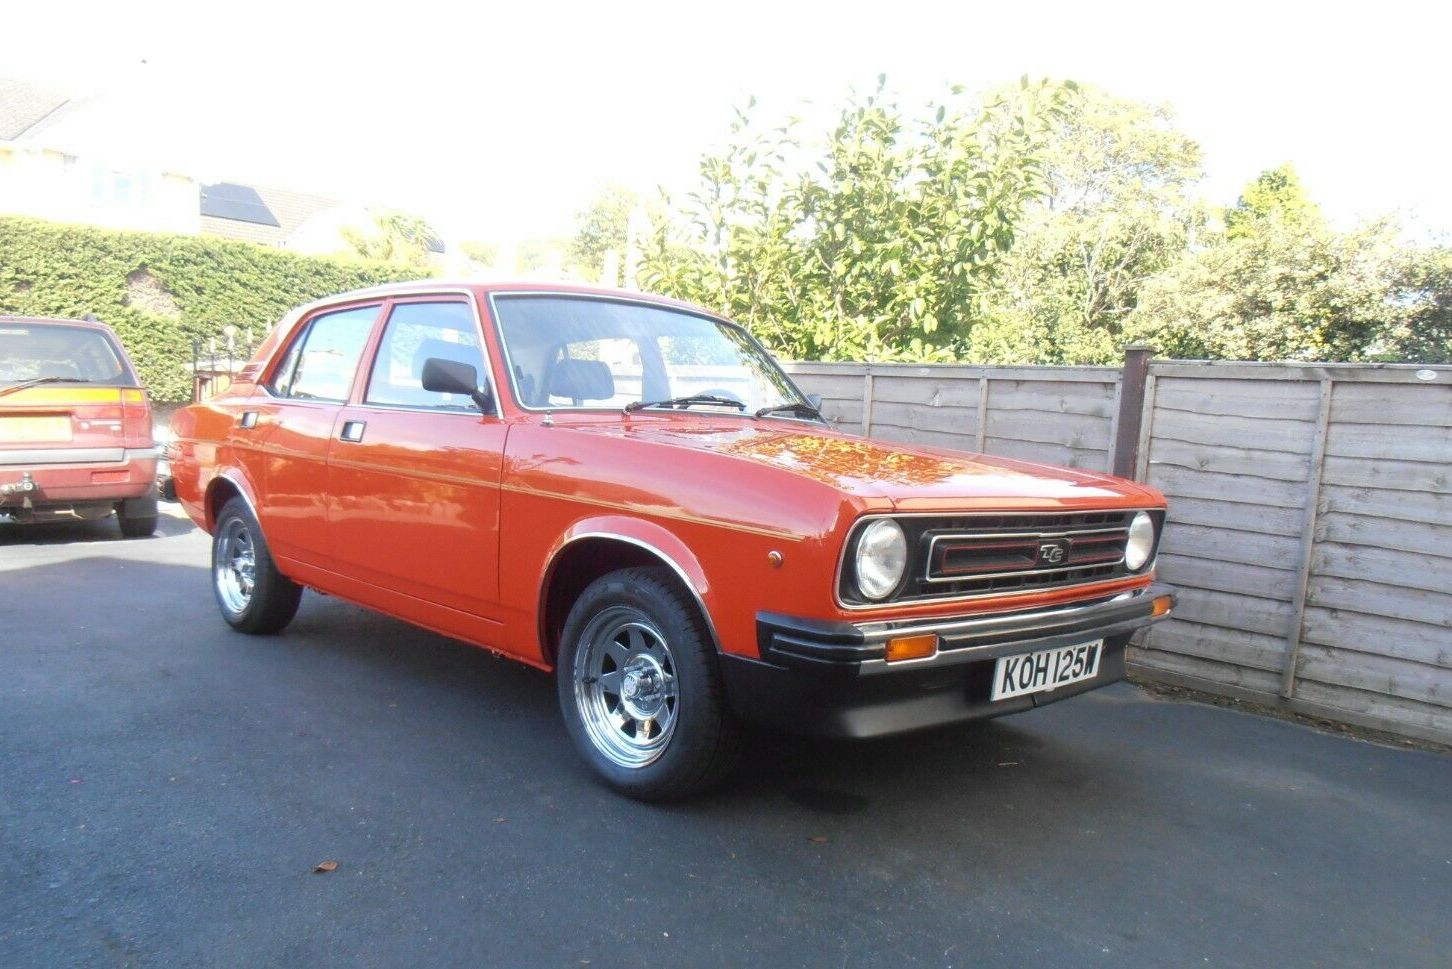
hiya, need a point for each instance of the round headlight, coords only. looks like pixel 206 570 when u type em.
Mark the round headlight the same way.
pixel 881 558
pixel 1141 544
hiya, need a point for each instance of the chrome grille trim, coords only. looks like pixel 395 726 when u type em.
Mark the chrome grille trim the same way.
pixel 923 527
pixel 1026 540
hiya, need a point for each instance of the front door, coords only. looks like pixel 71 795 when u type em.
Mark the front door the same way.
pixel 414 475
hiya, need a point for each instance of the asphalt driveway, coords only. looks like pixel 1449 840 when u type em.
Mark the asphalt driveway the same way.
pixel 167 788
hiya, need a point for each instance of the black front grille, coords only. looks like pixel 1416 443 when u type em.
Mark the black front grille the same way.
pixel 974 555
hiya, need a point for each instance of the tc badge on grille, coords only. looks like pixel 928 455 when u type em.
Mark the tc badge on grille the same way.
pixel 1053 553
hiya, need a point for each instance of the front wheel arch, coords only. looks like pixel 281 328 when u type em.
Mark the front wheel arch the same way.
pixel 587 557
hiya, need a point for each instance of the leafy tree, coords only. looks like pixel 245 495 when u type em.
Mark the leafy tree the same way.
pixel 484 253
pixel 876 241
pixel 1051 224
pixel 1424 332
pixel 1275 200
pixel 600 228
pixel 394 237
pixel 541 257
pixel 1115 213
pixel 1281 291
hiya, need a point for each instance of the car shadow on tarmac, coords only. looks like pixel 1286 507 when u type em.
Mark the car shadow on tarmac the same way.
pixel 72 531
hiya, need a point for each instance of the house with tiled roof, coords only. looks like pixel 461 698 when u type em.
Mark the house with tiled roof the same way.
pixel 23 107
pixel 269 216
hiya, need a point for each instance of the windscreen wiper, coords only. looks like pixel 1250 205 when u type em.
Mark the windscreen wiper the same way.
pixel 41 380
pixel 684 402
pixel 795 407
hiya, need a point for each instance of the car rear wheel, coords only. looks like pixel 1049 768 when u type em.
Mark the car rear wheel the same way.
pixel 254 597
pixel 640 689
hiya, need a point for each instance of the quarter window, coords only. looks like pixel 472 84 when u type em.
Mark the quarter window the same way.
pixel 417 332
pixel 321 363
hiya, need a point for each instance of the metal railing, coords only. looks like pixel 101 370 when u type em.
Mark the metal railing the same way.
pixel 216 360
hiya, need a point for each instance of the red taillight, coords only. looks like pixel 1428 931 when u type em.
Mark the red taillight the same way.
pixel 136 418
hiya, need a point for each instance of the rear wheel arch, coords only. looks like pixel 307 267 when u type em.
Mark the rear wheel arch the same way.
pixel 221 490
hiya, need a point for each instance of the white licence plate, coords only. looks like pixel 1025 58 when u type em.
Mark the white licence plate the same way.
pixel 24 430
pixel 1045 670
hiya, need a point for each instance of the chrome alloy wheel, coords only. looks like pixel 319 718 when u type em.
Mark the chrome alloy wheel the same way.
pixel 625 687
pixel 234 566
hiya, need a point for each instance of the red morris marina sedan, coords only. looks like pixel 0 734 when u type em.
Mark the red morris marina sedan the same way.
pixel 628 491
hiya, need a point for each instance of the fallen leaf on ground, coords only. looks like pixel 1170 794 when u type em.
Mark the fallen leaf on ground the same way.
pixel 324 867
pixel 818 839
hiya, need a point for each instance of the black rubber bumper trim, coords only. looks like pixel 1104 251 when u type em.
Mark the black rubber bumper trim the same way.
pixel 837 703
pixel 851 648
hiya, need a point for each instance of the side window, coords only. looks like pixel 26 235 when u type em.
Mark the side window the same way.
pixel 321 362
pixel 415 333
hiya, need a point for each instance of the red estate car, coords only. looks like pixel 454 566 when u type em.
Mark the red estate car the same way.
pixel 75 426
pixel 628 491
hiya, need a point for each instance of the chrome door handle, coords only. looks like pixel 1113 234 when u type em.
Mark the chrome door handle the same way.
pixel 249 420
pixel 352 431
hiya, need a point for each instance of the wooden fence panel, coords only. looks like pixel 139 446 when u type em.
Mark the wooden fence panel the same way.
pixel 1056 415
pixel 1319 498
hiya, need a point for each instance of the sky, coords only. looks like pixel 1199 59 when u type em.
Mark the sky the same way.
pixel 501 122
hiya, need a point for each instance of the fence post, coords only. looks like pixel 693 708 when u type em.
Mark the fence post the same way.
pixel 1308 538
pixel 982 441
pixel 1131 408
pixel 867 401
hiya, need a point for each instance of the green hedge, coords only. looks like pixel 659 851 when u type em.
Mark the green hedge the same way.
pixel 48 269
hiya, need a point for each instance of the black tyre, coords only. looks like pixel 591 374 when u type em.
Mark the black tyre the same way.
pixel 136 526
pixel 640 688
pixel 254 597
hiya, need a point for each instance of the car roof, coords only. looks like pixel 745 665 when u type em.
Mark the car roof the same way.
pixel 485 289
pixel 88 324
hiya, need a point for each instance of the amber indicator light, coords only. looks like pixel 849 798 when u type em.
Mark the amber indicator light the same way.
pixel 1161 606
pixel 911 647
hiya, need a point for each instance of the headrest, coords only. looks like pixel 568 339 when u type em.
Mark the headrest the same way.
pixel 581 380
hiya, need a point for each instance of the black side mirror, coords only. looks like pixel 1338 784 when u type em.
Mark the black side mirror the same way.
pixel 442 376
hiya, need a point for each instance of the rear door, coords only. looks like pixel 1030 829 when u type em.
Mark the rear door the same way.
pixel 414 475
pixel 282 436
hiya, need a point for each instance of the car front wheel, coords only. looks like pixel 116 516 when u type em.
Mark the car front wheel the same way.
pixel 253 595
pixel 640 689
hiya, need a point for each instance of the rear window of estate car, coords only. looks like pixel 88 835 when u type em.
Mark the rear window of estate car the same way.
pixel 55 351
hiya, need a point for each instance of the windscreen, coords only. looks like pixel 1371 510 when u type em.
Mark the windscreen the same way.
pixel 566 351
